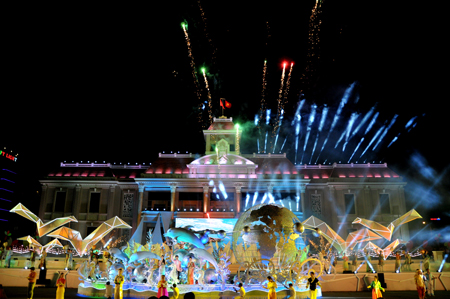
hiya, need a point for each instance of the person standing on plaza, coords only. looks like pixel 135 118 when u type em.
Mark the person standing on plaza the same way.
pixel 429 282
pixel 8 257
pixel 162 266
pixel 397 261
pixel 32 257
pixel 31 283
pixel 119 280
pixel 272 287
pixel 354 261
pixel 60 286
pixel 381 261
pixel 420 284
pixel 376 288
pixel 162 287
pixel 191 268
pixel 43 260
pixel 408 261
pixel 345 259
pixel 177 264
pixel 426 261
pixel 368 261
pixel 312 284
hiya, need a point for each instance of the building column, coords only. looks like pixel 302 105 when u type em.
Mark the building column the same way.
pixel 332 199
pixel 140 202
pixel 173 189
pixel 43 203
pixel 111 205
pixel 238 197
pixel 303 200
pixel 205 198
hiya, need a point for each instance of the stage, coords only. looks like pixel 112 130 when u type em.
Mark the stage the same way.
pixel 212 291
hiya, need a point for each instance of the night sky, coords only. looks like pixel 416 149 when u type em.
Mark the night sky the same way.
pixel 114 83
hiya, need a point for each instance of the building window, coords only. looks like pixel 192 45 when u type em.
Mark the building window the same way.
pixel 90 229
pixel 127 208
pixel 94 202
pixel 159 200
pixel 219 196
pixel 60 202
pixel 349 203
pixel 316 204
pixel 385 207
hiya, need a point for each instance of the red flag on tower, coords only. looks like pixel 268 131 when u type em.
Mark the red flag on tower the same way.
pixel 224 104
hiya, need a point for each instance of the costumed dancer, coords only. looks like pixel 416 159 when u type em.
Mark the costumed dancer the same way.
pixel 61 286
pixel 420 284
pixel 345 259
pixel 376 287
pixel 31 283
pixel 271 286
pixel 397 261
pixel 292 292
pixel 381 262
pixel 69 259
pixel 368 262
pixel 241 291
pixel 162 287
pixel 312 284
pixel 32 257
pixel 426 261
pixel 43 260
pixel 177 267
pixel 66 260
pixel 408 261
pixel 429 282
pixel 119 280
pixel 354 261
pixel 191 268
pixel 176 291
pixel 2 251
pixel 8 257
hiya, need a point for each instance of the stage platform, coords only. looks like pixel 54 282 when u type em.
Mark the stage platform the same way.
pixel 209 291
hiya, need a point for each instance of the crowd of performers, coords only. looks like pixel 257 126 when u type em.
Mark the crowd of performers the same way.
pixel 403 260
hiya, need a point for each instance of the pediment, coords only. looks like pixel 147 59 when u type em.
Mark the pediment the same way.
pixel 229 164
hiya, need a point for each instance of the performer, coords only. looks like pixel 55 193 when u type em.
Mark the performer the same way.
pixel 69 259
pixel 119 280
pixel 292 291
pixel 31 283
pixel 426 261
pixel 420 285
pixel 345 259
pixel 162 287
pixel 397 261
pixel 241 291
pixel 162 266
pixel 376 287
pixel 108 290
pixel 354 261
pixel 368 262
pixel 381 261
pixel 429 282
pixel 61 286
pixel 43 261
pixel 191 268
pixel 32 257
pixel 271 286
pixel 312 283
pixel 176 291
pixel 408 261
pixel 177 267
pixel 8 257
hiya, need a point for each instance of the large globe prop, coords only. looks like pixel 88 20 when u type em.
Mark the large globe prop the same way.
pixel 266 231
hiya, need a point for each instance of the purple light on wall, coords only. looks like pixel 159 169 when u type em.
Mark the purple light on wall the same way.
pixel 7 180
pixel 9 171
pixel 6 190
pixel 3 220
pixel 5 199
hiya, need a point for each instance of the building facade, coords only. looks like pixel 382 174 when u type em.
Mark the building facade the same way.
pixel 222 183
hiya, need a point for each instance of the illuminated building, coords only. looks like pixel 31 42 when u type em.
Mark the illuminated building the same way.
pixel 221 184
pixel 9 174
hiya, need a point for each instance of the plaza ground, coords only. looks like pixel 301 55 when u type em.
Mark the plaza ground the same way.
pixel 41 292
